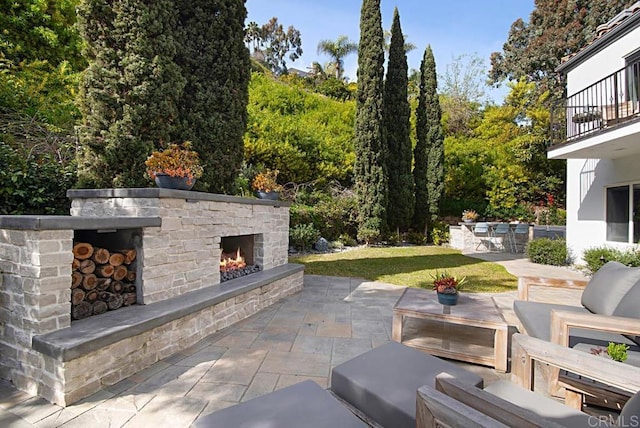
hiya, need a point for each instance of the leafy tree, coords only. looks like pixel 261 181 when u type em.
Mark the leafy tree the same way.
pixel 337 50
pixel 130 91
pixel 369 169
pixel 556 28
pixel 396 114
pixel 305 136
pixel 271 44
pixel 212 109
pixel 42 30
pixel 462 93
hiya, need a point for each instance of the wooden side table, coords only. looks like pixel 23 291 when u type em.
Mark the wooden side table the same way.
pixel 474 330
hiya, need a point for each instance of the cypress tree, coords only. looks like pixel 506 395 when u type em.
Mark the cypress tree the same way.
pixel 435 138
pixel 428 171
pixel 213 107
pixel 421 152
pixel 396 114
pixel 369 169
pixel 130 90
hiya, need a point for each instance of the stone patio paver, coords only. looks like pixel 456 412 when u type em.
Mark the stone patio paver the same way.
pixel 298 338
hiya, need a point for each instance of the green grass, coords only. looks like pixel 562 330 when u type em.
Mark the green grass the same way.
pixel 410 266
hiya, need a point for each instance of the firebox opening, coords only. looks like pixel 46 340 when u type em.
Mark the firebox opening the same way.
pixel 238 257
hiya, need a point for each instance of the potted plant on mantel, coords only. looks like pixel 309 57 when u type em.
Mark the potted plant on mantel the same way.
pixel 447 287
pixel 266 186
pixel 469 216
pixel 175 167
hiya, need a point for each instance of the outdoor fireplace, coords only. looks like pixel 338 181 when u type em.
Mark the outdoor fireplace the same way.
pixel 239 257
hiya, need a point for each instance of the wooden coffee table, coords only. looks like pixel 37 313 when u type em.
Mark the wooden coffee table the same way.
pixel 473 330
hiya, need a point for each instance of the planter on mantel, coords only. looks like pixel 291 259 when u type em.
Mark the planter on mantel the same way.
pixel 272 196
pixel 165 181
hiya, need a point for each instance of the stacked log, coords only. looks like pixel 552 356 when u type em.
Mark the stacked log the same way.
pixel 101 280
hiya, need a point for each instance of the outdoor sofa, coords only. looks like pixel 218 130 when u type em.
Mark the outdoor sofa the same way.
pixel 610 311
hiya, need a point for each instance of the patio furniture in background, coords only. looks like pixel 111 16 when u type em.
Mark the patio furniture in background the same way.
pixel 483 230
pixel 609 314
pixel 452 403
pixel 520 235
pixel 473 330
pixel 503 231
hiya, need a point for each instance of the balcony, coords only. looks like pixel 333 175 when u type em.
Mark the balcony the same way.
pixel 593 123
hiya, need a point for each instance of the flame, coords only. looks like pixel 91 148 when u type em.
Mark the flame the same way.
pixel 230 261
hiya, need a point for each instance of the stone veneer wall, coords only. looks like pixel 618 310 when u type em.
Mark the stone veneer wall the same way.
pixel 35 274
pixel 182 255
pixel 35 293
pixel 96 370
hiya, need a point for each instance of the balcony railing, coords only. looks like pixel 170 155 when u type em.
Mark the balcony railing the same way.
pixel 607 103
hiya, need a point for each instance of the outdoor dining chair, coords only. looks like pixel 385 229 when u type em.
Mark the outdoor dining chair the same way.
pixel 521 230
pixel 503 230
pixel 483 230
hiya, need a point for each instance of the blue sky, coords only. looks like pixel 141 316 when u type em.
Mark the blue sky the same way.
pixel 451 27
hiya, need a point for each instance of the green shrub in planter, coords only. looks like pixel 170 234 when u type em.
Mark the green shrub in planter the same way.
pixel 303 236
pixel 548 252
pixel 598 256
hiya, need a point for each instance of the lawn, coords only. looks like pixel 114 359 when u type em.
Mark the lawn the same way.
pixel 409 266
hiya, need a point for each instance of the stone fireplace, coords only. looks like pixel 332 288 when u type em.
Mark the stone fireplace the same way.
pixel 179 237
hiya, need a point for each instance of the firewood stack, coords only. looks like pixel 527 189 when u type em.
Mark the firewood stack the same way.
pixel 101 280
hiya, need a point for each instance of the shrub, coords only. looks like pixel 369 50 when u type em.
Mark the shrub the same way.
pixel 598 256
pixel 416 238
pixel 548 251
pixel 440 233
pixel 333 216
pixel 303 236
pixel 347 240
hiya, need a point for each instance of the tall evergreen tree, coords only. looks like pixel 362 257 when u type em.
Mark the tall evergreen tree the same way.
pixel 435 140
pixel 369 169
pixel 396 114
pixel 213 107
pixel 421 150
pixel 130 90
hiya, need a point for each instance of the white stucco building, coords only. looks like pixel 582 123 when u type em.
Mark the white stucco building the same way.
pixel 598 132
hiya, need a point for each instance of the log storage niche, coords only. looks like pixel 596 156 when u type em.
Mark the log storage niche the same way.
pixel 104 272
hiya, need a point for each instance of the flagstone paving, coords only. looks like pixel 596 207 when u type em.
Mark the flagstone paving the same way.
pixel 301 337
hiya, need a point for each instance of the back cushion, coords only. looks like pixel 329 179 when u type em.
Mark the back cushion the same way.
pixel 630 413
pixel 608 286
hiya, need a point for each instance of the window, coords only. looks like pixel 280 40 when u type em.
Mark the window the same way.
pixel 623 213
pixel 633 78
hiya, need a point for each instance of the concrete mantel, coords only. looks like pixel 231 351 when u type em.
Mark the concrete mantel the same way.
pixel 188 195
pixel 60 222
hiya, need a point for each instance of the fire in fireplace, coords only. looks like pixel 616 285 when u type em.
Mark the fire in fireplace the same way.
pixel 236 259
